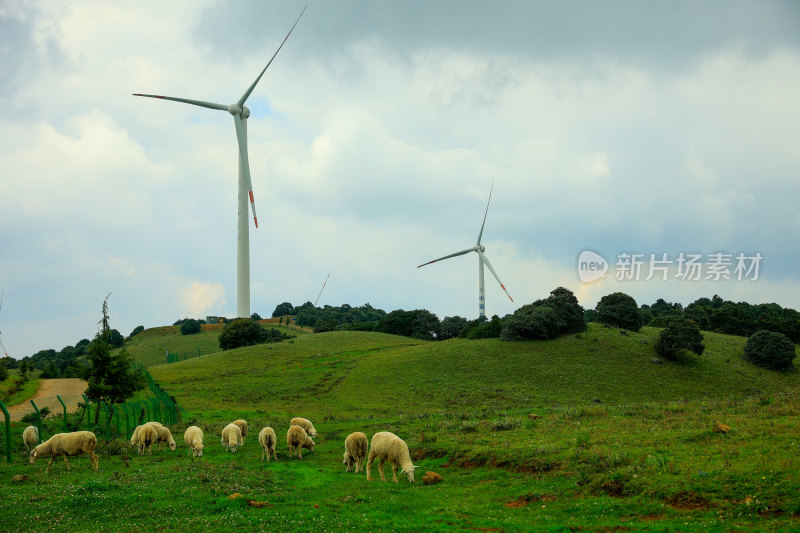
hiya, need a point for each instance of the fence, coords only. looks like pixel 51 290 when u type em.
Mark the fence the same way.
pixel 175 357
pixel 111 421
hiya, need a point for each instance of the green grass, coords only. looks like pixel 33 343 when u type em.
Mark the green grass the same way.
pixel 27 391
pixel 513 428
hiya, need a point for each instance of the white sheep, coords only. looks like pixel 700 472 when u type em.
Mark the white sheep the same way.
pixel 306 425
pixel 231 437
pixel 386 445
pixel 355 450
pixel 146 437
pixel 242 426
pixel 30 437
pixel 297 439
pixel 66 444
pixel 135 436
pixel 193 437
pixel 268 440
pixel 164 436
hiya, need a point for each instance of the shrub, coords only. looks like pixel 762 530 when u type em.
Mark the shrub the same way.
pixel 190 327
pixel 678 334
pixel 32 417
pixel 770 349
pixel 620 310
pixel 482 328
pixel 531 322
pixel 451 326
pixel 136 331
pixel 247 332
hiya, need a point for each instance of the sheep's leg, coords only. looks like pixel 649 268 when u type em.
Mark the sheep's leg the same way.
pixel 380 467
pixel 274 456
pixel 300 452
pixel 65 460
pixel 46 470
pixel 372 456
pixel 93 459
pixel 394 473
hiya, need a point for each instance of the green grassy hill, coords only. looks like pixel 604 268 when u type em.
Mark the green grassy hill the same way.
pixel 374 374
pixel 580 433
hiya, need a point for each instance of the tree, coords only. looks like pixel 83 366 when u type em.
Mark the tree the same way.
pixel 532 322
pixel 678 334
pixel 283 309
pixel 136 331
pixel 256 317
pixel 247 332
pixel 451 326
pixel 115 338
pixel 620 310
pixel 190 327
pixel 770 349
pixel 111 377
pixel 3 372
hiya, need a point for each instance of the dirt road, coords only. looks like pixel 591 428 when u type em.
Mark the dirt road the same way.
pixel 70 390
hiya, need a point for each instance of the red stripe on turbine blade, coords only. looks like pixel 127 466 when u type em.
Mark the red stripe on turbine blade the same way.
pixel 255 219
pixel 252 201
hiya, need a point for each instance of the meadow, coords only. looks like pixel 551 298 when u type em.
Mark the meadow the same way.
pixel 583 432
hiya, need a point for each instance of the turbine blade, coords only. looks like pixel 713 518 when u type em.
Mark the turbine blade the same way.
pixel 322 289
pixel 3 347
pixel 488 264
pixel 241 136
pixel 209 105
pixel 448 256
pixel 249 90
pixel 486 213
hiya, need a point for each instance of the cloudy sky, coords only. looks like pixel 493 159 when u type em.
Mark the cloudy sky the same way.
pixel 616 127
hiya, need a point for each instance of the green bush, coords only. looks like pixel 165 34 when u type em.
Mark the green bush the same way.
pixel 190 327
pixel 620 310
pixel 247 332
pixel 532 322
pixel 770 349
pixel 482 329
pixel 679 334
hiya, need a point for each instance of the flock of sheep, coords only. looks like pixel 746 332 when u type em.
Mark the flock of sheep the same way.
pixel 385 446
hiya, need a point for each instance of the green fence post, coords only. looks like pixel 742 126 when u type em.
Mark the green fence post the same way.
pixel 149 409
pixel 88 412
pixel 8 430
pixel 39 421
pixel 127 425
pixel 156 409
pixel 65 412
pixel 167 414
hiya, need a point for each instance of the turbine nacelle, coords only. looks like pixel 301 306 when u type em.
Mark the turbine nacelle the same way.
pixel 235 109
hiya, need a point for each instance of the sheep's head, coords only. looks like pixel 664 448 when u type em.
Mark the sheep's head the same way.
pixel 310 444
pixel 172 445
pixel 409 471
pixel 34 455
pixel 197 451
pixel 346 460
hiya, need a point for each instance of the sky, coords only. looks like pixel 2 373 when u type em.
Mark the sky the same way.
pixel 626 129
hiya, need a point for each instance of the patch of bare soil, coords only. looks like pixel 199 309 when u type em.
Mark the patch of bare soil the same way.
pixel 70 390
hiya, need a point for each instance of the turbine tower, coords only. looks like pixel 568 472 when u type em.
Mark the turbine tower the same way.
pixel 482 260
pixel 240 114
pixel 1 339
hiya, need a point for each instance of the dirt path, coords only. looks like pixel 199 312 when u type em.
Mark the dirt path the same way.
pixel 70 390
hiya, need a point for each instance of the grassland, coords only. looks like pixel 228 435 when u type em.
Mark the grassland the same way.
pixel 584 432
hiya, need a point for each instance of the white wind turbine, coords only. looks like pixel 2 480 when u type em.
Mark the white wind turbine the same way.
pixel 240 114
pixel 482 260
pixel 1 339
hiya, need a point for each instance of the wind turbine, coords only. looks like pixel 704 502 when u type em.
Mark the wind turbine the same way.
pixel 1 339
pixel 482 260
pixel 240 114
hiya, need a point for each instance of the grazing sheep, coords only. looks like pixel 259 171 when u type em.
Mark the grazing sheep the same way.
pixel 30 437
pixel 164 436
pixel 193 437
pixel 243 427
pixel 135 436
pixel 231 437
pixel 389 446
pixel 355 450
pixel 146 437
pixel 306 425
pixel 268 440
pixel 296 438
pixel 66 444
